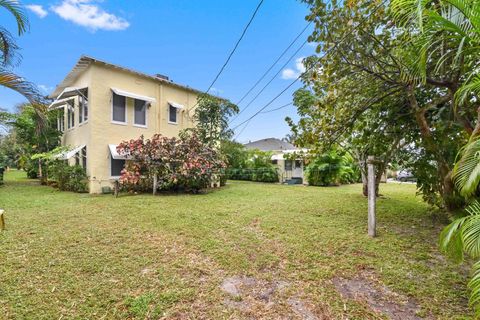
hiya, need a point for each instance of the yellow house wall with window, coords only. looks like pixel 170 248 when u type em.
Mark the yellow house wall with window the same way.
pixel 100 131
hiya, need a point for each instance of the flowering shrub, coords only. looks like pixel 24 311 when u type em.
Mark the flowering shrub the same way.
pixel 163 163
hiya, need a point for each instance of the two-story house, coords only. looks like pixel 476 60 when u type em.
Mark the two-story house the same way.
pixel 104 104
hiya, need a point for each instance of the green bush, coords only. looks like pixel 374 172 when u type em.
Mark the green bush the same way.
pixel 332 168
pixel 268 174
pixel 68 178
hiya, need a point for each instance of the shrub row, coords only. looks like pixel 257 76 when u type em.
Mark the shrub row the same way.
pixel 257 174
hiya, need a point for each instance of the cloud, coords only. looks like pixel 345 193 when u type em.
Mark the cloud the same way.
pixel 289 73
pixel 37 9
pixel 89 15
pixel 216 91
pixel 45 88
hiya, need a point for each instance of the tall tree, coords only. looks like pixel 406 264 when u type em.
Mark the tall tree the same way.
pixel 369 64
pixel 212 116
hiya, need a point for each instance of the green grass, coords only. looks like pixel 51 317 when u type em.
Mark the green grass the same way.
pixel 77 256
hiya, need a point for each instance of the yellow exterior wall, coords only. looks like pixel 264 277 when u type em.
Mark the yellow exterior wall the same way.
pixel 99 131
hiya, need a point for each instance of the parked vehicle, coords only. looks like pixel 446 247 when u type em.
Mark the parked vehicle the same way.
pixel 405 176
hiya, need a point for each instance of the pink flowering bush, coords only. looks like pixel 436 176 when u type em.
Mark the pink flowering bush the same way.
pixel 163 163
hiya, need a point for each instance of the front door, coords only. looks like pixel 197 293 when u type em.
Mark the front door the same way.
pixel 297 171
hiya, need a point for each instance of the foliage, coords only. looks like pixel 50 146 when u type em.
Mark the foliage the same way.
pixel 448 37
pixel 265 174
pixel 331 168
pixel 31 134
pixel 250 165
pixel 236 156
pixel 9 56
pixel 67 177
pixel 163 163
pixel 10 151
pixel 461 237
pixel 382 82
pixel 212 116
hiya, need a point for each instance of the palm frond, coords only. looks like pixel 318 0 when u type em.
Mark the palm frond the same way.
pixel 472 86
pixel 409 11
pixel 474 286
pixel 16 9
pixel 466 173
pixel 451 242
pixel 8 48
pixel 23 87
pixel 471 231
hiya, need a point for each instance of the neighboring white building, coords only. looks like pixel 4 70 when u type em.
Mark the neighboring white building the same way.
pixel 289 170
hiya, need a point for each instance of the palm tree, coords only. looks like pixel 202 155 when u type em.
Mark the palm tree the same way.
pixel 447 36
pixel 9 56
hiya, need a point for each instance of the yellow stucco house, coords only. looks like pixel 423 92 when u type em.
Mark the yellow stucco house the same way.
pixel 104 104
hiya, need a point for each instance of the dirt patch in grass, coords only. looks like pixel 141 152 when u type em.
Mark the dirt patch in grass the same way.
pixel 249 295
pixel 378 297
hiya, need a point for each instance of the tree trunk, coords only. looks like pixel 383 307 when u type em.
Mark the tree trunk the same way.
pixel 40 175
pixel 447 188
pixel 155 183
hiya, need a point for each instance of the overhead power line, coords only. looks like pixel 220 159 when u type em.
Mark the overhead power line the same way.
pixel 274 63
pixel 276 109
pixel 308 69
pixel 270 81
pixel 266 111
pixel 234 49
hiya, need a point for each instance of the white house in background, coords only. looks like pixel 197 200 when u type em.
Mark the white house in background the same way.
pixel 290 170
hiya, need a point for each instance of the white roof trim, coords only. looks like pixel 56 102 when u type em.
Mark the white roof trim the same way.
pixel 116 155
pixel 57 104
pixel 133 95
pixel 176 105
pixel 68 154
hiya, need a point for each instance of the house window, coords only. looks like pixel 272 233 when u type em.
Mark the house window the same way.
pixel 172 116
pixel 298 163
pixel 70 116
pixel 61 121
pixel 119 109
pixel 82 109
pixel 140 114
pixel 275 162
pixel 288 165
pixel 83 156
pixel 116 167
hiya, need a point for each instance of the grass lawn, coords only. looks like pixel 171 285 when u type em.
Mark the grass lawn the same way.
pixel 290 252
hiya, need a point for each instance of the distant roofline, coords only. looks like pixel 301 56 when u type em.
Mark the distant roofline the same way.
pixel 251 144
pixel 84 62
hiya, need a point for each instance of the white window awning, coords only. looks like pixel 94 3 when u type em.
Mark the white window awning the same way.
pixel 68 94
pixel 175 105
pixel 277 157
pixel 132 95
pixel 69 154
pixel 116 155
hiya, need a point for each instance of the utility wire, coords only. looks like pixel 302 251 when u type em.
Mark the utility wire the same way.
pixel 234 49
pixel 308 69
pixel 272 110
pixel 267 111
pixel 270 81
pixel 273 64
